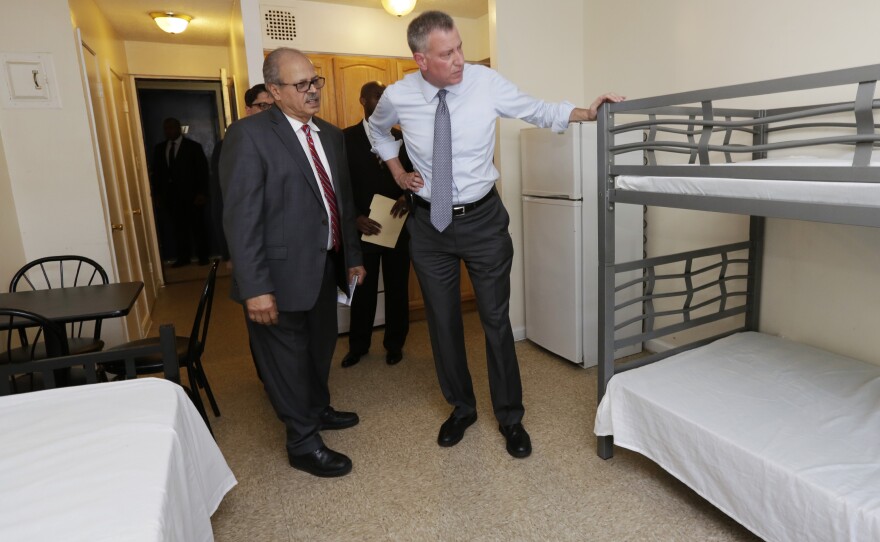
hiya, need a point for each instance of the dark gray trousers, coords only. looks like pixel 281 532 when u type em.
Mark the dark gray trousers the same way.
pixel 293 358
pixel 480 238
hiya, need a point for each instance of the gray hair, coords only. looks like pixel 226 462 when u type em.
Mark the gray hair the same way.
pixel 272 64
pixel 419 28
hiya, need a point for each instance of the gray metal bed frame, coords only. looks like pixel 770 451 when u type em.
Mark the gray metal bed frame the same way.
pixel 695 127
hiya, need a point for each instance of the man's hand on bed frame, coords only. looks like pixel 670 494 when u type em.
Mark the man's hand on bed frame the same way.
pixel 579 114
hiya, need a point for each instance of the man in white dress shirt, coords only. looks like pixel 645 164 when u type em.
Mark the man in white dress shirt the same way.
pixel 447 112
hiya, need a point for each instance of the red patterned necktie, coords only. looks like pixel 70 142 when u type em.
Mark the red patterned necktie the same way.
pixel 329 194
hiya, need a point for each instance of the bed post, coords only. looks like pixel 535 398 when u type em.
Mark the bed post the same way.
pixel 756 242
pixel 605 444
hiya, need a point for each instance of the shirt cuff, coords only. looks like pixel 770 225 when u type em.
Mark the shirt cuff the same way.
pixel 560 123
pixel 387 151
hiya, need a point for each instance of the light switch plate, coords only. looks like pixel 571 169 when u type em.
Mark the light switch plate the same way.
pixel 28 80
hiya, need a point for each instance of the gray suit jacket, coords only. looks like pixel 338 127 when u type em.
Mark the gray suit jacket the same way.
pixel 273 215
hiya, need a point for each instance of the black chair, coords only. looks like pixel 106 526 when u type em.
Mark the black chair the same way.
pixel 90 363
pixel 42 338
pixel 61 272
pixel 189 349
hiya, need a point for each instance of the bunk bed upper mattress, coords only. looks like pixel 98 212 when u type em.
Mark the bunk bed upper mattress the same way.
pixel 840 193
pixel 782 437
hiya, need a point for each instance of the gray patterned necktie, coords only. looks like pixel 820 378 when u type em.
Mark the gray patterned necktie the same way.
pixel 441 171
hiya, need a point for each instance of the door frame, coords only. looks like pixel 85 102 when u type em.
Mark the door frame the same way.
pixel 143 160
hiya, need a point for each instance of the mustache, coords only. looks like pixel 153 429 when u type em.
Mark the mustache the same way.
pixel 312 96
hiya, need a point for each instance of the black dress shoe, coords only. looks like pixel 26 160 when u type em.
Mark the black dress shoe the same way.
pixel 518 442
pixel 323 462
pixel 350 359
pixel 333 419
pixel 452 430
pixel 393 358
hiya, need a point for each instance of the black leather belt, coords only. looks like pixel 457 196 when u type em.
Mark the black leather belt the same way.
pixel 458 210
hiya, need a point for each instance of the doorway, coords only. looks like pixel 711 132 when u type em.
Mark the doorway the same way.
pixel 198 106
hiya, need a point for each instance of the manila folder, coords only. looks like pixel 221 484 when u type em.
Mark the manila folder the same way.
pixel 380 211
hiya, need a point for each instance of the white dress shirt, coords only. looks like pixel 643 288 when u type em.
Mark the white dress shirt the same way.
pixel 301 136
pixel 474 106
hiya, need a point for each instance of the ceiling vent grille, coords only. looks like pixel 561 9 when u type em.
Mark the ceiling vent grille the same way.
pixel 279 26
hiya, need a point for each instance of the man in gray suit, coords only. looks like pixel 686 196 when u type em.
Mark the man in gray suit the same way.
pixel 290 223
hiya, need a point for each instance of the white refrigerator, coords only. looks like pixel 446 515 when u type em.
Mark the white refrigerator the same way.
pixel 561 239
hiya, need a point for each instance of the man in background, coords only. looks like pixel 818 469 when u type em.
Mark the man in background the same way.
pixel 256 99
pixel 290 222
pixel 448 111
pixel 370 176
pixel 180 185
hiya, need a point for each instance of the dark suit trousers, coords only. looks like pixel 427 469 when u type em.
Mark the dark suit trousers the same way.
pixel 293 358
pixel 482 240
pixel 189 223
pixel 395 271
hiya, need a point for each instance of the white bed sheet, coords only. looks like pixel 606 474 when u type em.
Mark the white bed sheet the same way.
pixel 840 193
pixel 780 436
pixel 122 461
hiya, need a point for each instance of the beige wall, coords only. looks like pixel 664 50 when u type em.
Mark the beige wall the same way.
pixel 238 68
pixel 548 65
pixel 820 284
pixel 50 163
pixel 167 60
pixel 10 234
pixel 340 29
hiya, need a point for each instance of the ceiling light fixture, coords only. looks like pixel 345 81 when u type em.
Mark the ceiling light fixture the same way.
pixel 398 8
pixel 173 23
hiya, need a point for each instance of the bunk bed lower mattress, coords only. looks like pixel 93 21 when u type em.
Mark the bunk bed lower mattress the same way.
pixel 782 437
pixel 839 193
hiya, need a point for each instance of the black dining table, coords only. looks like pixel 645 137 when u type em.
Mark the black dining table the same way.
pixel 75 304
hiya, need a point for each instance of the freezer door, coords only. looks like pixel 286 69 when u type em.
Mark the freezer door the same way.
pixel 551 162
pixel 553 275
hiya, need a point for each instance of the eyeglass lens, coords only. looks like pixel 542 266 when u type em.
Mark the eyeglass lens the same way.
pixel 303 86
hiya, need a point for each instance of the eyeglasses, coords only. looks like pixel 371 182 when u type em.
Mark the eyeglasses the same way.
pixel 304 86
pixel 262 105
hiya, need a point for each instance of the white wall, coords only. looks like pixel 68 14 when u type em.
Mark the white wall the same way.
pixel 548 64
pixel 341 29
pixel 820 280
pixel 49 155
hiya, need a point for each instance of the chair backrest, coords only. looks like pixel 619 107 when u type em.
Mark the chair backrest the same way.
pixel 61 272
pixel 34 327
pixel 203 316
pixel 91 362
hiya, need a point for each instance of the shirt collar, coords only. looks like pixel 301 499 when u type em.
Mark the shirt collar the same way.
pixel 297 124
pixel 429 91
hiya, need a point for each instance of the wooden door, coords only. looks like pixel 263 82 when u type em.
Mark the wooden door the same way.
pixel 324 67
pixel 349 75
pixel 132 189
pixel 404 66
pixel 115 206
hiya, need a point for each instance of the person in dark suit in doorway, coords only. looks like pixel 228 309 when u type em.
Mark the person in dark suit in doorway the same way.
pixel 290 223
pixel 370 176
pixel 180 184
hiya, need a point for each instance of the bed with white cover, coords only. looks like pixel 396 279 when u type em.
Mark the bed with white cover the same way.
pixel 783 437
pixel 119 461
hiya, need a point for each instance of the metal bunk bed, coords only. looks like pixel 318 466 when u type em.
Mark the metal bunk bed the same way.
pixel 718 288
